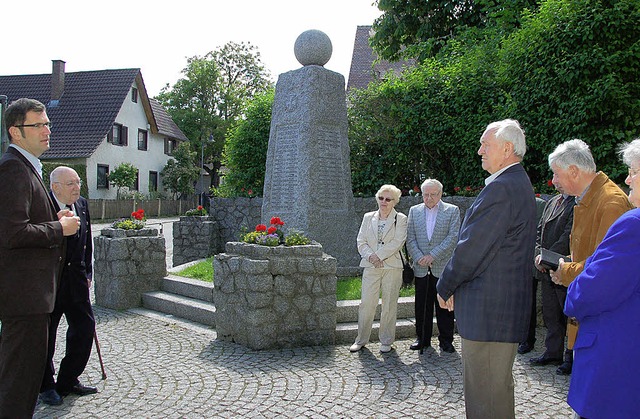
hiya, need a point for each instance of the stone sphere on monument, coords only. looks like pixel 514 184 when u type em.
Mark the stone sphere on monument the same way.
pixel 313 47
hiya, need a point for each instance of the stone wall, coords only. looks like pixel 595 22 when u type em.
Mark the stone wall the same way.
pixel 232 214
pixel 194 238
pixel 275 297
pixel 127 263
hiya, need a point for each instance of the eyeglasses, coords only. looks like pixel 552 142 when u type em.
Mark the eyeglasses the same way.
pixel 71 184
pixel 633 172
pixel 431 195
pixel 382 198
pixel 38 125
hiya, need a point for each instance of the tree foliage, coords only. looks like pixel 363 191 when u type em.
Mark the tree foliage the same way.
pixel 123 176
pixel 420 28
pixel 211 96
pixel 572 71
pixel 245 151
pixel 182 171
pixel 568 71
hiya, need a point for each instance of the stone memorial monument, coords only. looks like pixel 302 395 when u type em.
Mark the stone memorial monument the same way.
pixel 308 177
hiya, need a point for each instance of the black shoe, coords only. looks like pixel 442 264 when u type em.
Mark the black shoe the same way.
pixel 544 360
pixel 565 368
pixel 447 347
pixel 79 389
pixel 417 345
pixel 525 348
pixel 50 397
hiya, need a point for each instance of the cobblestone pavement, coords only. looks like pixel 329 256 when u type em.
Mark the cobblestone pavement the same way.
pixel 160 367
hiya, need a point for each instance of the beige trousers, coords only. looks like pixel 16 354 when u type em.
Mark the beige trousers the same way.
pixel 374 281
pixel 487 369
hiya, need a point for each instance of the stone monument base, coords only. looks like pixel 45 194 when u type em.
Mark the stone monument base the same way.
pixel 275 297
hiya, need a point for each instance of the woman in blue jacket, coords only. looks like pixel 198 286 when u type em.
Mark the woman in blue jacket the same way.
pixel 605 299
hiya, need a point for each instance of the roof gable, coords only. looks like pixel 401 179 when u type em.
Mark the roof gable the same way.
pixel 365 63
pixel 85 113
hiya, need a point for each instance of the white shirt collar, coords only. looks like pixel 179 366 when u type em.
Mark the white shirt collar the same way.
pixel 498 173
pixel 32 159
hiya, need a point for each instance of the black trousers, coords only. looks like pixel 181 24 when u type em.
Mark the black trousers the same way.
pixel 80 332
pixel 553 297
pixel 425 301
pixel 23 351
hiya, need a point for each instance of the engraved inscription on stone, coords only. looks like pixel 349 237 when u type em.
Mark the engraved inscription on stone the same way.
pixel 329 188
pixel 285 167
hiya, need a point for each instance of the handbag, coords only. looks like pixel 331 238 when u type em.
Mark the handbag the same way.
pixel 407 270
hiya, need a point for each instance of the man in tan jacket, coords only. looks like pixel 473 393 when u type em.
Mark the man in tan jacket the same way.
pixel 599 202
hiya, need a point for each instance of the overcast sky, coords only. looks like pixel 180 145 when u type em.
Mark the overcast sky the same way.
pixel 157 35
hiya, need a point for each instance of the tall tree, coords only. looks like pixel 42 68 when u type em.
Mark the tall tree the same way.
pixel 420 28
pixel 211 96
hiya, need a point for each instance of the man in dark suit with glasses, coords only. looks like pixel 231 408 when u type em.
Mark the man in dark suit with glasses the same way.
pixel 31 255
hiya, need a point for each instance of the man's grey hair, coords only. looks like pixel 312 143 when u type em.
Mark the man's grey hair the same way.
pixel 631 153
pixel 509 131
pixel 431 182
pixel 573 153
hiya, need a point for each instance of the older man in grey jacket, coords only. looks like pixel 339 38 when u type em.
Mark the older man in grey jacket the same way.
pixel 432 233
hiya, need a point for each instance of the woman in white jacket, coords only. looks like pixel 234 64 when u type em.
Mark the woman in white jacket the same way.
pixel 381 236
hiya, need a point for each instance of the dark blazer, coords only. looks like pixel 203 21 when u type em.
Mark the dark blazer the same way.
pixel 78 266
pixel 489 274
pixel 32 241
pixel 554 228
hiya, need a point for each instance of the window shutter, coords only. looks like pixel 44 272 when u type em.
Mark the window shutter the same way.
pixel 110 135
pixel 166 146
pixel 125 135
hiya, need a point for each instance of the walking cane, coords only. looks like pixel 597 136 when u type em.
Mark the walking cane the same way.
pixel 95 339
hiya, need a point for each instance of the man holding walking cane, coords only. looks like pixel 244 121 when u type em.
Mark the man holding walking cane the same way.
pixel 73 296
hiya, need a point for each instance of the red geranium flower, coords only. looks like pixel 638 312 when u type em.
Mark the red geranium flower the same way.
pixel 271 230
pixel 261 227
pixel 200 207
pixel 138 215
pixel 550 183
pixel 276 221
pixel 456 189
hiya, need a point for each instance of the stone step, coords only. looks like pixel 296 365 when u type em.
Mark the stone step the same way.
pixel 193 300
pixel 346 333
pixel 180 306
pixel 192 288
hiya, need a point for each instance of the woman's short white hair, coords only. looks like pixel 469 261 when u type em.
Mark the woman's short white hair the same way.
pixel 631 153
pixel 395 192
pixel 573 153
pixel 509 131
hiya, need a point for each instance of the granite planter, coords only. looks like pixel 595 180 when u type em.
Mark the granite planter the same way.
pixel 194 237
pixel 127 263
pixel 275 297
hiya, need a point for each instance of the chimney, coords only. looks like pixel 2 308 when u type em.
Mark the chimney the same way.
pixel 57 79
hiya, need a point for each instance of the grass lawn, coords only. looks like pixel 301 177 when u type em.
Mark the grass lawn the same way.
pixel 347 288
pixel 202 271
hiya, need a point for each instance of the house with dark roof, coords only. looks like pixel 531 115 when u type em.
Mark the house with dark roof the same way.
pixel 365 63
pixel 101 119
